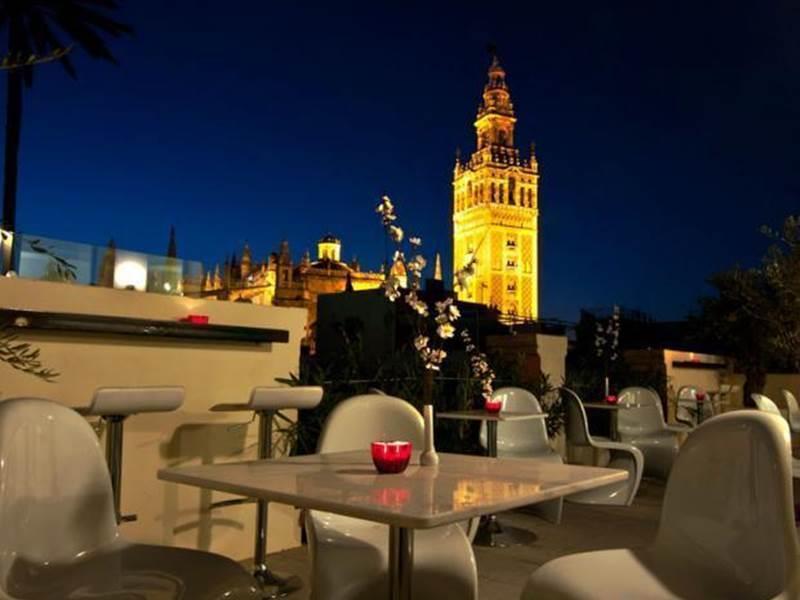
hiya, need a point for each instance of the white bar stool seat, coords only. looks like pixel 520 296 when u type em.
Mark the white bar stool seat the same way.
pixel 266 402
pixel 114 405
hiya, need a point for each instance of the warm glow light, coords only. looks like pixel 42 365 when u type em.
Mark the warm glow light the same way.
pixel 130 271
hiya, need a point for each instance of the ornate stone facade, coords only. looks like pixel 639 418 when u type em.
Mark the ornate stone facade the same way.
pixel 495 209
pixel 278 281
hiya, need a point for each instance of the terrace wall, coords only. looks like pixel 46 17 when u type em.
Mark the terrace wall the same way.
pixel 211 373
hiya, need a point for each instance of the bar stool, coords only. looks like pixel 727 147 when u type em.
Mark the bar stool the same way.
pixel 266 402
pixel 115 404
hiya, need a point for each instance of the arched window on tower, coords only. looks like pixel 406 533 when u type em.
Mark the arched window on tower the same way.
pixel 511 188
pixel 502 194
pixel 493 191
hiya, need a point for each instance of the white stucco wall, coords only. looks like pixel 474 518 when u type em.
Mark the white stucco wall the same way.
pixel 210 372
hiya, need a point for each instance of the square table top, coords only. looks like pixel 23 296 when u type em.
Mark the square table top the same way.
pixel 603 405
pixel 483 415
pixel 459 488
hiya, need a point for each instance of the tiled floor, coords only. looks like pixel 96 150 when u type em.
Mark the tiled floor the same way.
pixel 503 571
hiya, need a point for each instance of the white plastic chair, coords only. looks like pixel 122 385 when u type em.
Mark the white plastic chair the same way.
pixel 622 456
pixel 349 557
pixel 765 404
pixel 641 424
pixel 59 530
pixel 686 407
pixel 727 526
pixel 525 439
pixel 794 410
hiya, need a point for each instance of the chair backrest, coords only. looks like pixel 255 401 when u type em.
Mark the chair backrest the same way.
pixel 728 503
pixel 687 392
pixel 642 413
pixel 577 425
pixel 794 409
pixel 55 493
pixel 765 404
pixel 526 438
pixel 361 420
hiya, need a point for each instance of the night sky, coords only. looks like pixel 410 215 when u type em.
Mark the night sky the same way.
pixel 667 133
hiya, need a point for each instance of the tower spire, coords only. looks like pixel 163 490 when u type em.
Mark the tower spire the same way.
pixel 437 268
pixel 172 247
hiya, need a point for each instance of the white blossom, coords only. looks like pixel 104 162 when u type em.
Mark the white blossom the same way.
pixel 445 331
pixel 415 241
pixel 396 233
pixel 421 342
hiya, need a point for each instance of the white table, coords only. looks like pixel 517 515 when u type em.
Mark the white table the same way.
pixel 491 532
pixel 459 488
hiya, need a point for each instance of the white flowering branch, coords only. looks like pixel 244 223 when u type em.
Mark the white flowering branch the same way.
pixel 479 365
pixel 445 312
pixel 606 337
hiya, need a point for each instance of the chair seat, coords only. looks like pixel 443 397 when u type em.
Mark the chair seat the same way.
pixel 279 398
pixel 129 401
pixel 350 561
pixel 126 570
pixel 626 575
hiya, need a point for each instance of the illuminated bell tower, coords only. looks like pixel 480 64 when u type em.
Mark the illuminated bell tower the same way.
pixel 495 210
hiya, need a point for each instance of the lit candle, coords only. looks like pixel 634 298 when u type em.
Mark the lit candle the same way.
pixel 391 457
pixel 493 406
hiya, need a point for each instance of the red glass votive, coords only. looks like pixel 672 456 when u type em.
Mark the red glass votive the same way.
pixel 196 319
pixel 612 399
pixel 700 396
pixel 493 406
pixel 391 457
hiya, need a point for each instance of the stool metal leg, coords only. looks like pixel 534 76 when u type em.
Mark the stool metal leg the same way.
pixel 114 428
pixel 282 587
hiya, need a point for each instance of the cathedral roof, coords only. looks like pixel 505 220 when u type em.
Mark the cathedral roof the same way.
pixel 330 238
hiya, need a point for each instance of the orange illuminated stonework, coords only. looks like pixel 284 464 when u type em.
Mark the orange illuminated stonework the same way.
pixel 495 210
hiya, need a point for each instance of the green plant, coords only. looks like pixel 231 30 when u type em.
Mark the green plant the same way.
pixel 23 357
pixel 34 27
pixel 58 269
pixel 755 315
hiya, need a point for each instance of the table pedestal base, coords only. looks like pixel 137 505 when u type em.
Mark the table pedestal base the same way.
pixel 274 586
pixel 401 562
pixel 492 534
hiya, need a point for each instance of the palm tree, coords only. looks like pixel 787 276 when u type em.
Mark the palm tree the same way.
pixel 33 28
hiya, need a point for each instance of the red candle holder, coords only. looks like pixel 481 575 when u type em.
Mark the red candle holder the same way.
pixel 493 406
pixel 612 399
pixel 391 457
pixel 196 319
pixel 700 396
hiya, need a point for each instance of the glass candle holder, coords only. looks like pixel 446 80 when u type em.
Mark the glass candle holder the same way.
pixel 493 406
pixel 391 457
pixel 700 396
pixel 612 399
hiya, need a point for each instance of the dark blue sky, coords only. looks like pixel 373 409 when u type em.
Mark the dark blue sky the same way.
pixel 667 133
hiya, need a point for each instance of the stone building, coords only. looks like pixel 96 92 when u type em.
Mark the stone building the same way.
pixel 495 209
pixel 279 281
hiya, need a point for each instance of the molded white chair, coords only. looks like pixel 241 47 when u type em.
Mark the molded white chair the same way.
pixel 622 456
pixel 114 405
pixel 525 439
pixel 727 526
pixel 349 557
pixel 794 410
pixel 686 407
pixel 765 404
pixel 641 424
pixel 59 531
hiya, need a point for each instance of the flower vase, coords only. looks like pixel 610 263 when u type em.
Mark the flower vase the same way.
pixel 428 458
